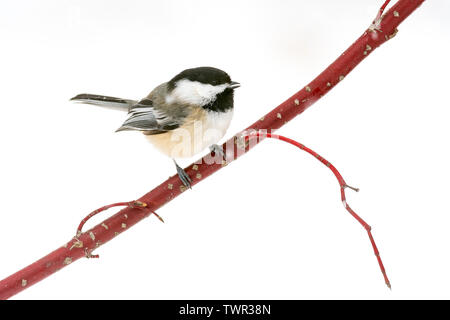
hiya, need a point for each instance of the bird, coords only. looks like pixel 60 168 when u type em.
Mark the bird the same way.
pixel 180 117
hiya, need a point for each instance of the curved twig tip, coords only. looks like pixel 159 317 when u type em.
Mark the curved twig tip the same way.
pixel 350 187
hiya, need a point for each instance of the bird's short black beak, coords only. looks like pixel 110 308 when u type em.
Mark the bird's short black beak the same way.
pixel 234 85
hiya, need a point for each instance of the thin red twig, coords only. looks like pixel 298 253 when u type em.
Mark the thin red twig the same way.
pixel 383 7
pixel 343 186
pixel 201 169
pixel 129 204
pixel 376 22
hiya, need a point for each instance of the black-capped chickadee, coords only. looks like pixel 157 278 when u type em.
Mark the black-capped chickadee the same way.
pixel 181 117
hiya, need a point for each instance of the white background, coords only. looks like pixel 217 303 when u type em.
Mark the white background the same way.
pixel 268 226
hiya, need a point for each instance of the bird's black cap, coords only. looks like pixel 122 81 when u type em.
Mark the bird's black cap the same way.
pixel 206 75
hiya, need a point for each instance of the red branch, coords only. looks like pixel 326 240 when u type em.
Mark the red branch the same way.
pixel 343 186
pixel 82 246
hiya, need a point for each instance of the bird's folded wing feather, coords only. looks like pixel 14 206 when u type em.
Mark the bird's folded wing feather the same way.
pixel 145 116
pixel 104 101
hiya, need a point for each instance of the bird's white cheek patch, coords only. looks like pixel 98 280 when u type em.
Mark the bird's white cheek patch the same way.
pixel 193 92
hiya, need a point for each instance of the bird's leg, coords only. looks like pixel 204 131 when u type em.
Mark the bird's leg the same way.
pixel 184 177
pixel 217 150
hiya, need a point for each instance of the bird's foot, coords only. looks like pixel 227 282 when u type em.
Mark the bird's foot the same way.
pixel 184 177
pixel 217 150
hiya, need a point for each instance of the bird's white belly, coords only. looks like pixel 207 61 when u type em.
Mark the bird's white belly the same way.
pixel 194 136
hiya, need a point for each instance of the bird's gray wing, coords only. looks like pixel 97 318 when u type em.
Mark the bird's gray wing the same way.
pixel 147 117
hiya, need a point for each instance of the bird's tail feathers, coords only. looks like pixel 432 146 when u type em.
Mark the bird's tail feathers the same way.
pixel 104 101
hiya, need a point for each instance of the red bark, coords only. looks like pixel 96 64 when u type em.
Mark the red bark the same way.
pixel 378 33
